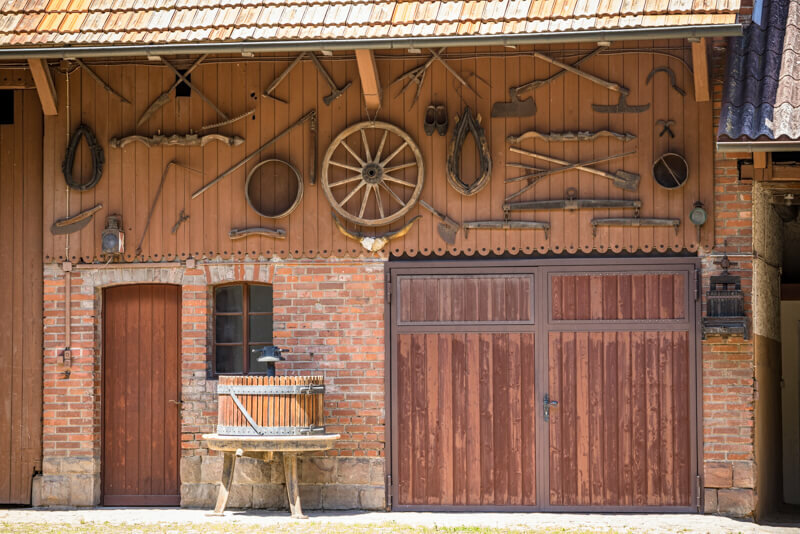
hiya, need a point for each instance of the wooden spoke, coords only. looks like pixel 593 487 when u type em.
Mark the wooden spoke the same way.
pixel 398 167
pixel 365 200
pixel 353 153
pixel 370 175
pixel 398 181
pixel 345 166
pixel 393 194
pixel 352 193
pixel 378 201
pixel 346 181
pixel 380 147
pixel 393 154
pixel 366 145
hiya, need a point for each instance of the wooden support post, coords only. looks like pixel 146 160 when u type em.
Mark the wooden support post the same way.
pixel 292 490
pixel 44 86
pixel 228 468
pixel 370 83
pixel 760 160
pixel 702 91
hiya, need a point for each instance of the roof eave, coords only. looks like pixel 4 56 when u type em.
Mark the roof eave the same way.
pixel 251 47
pixel 758 146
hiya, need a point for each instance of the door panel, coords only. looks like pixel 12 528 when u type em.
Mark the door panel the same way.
pixel 141 376
pixel 466 419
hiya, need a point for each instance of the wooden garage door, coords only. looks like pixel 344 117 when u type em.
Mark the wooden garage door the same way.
pixel 475 351
pixel 142 389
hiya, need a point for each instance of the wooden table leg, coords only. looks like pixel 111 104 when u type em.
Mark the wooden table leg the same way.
pixel 228 467
pixel 290 473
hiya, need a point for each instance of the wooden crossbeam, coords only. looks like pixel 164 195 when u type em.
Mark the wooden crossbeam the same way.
pixel 44 86
pixel 702 91
pixel 370 83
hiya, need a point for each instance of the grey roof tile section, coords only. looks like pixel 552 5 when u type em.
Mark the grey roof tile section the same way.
pixel 761 100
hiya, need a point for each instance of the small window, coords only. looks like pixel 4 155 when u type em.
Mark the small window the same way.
pixel 6 106
pixel 242 327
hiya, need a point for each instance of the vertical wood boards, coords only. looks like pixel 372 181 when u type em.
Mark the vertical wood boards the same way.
pixel 132 173
pixel 616 351
pixel 21 289
pixel 141 392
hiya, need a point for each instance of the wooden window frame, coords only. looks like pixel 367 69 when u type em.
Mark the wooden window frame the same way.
pixel 245 314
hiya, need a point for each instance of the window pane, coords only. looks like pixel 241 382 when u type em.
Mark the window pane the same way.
pixel 228 298
pixel 260 329
pixel 229 329
pixel 260 298
pixel 229 359
pixel 255 366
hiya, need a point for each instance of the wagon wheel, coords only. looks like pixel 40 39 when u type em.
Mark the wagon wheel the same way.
pixel 369 189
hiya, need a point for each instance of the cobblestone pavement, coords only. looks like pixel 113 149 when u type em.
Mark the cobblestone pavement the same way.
pixel 175 520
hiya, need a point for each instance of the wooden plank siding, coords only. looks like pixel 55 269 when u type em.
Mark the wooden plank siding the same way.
pixel 21 293
pixel 132 174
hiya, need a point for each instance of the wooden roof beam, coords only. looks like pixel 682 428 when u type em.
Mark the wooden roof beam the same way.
pixel 702 91
pixel 44 85
pixel 370 83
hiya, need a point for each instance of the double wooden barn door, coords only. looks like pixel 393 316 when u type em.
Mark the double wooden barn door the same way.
pixel 544 386
pixel 141 401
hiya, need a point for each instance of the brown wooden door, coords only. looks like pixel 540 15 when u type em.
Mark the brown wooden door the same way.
pixel 142 387
pixel 476 349
pixel 21 295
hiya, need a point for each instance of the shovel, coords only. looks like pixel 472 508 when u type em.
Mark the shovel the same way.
pixel 448 228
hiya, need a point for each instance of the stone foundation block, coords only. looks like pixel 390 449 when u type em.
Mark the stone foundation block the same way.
pixel 241 496
pixel 272 497
pixel 373 498
pixel 710 505
pixel 79 466
pixel 377 472
pixel 310 497
pixel 340 497
pixel 250 471
pixel 84 490
pixel 36 491
pixel 718 475
pixel 190 469
pixel 353 471
pixel 744 475
pixel 55 490
pixel 315 470
pixel 736 502
pixel 198 495
pixel 211 469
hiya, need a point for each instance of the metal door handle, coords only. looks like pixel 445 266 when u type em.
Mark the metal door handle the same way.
pixel 546 405
pixel 179 403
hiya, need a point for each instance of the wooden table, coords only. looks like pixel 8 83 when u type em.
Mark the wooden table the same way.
pixel 263 447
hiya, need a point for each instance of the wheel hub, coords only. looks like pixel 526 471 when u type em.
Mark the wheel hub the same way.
pixel 372 173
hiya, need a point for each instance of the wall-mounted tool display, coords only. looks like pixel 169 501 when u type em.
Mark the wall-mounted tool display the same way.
pixel 666 127
pixel 571 203
pixel 620 107
pixel 672 79
pixel 251 185
pixel 670 171
pixel 98 159
pixel 417 75
pixel 185 79
pixel 371 174
pixel 506 225
pixel 448 228
pixel 566 137
pixel 100 80
pixel 435 120
pixel 622 179
pixel 725 304
pixel 69 225
pixel 112 239
pixel 176 140
pixel 241 233
pixel 155 201
pixel 298 122
pixel 336 92
pixel 527 107
pixel 468 124
pixel 229 121
pixel 698 217
pixel 182 217
pixel 166 96
pixel 375 243
pixel 634 222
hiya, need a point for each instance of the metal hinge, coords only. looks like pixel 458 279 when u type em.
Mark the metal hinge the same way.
pixel 696 284
pixel 699 493
pixel 388 491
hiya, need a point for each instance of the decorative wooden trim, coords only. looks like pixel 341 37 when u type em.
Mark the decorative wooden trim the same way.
pixel 16 79
pixel 700 64
pixel 44 85
pixel 370 82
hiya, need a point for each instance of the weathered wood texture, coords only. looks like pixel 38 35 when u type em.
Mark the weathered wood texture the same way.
pixel 235 84
pixel 467 426
pixel 141 387
pixel 271 410
pixel 21 294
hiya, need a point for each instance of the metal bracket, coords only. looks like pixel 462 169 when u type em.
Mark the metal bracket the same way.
pixel 548 403
pixel 305 389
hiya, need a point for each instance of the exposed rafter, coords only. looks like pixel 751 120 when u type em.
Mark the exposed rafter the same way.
pixel 44 85
pixel 370 83
pixel 702 91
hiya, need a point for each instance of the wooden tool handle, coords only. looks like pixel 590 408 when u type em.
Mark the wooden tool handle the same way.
pixel 591 77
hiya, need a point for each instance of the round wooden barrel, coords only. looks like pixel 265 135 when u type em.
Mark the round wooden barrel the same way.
pixel 270 405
